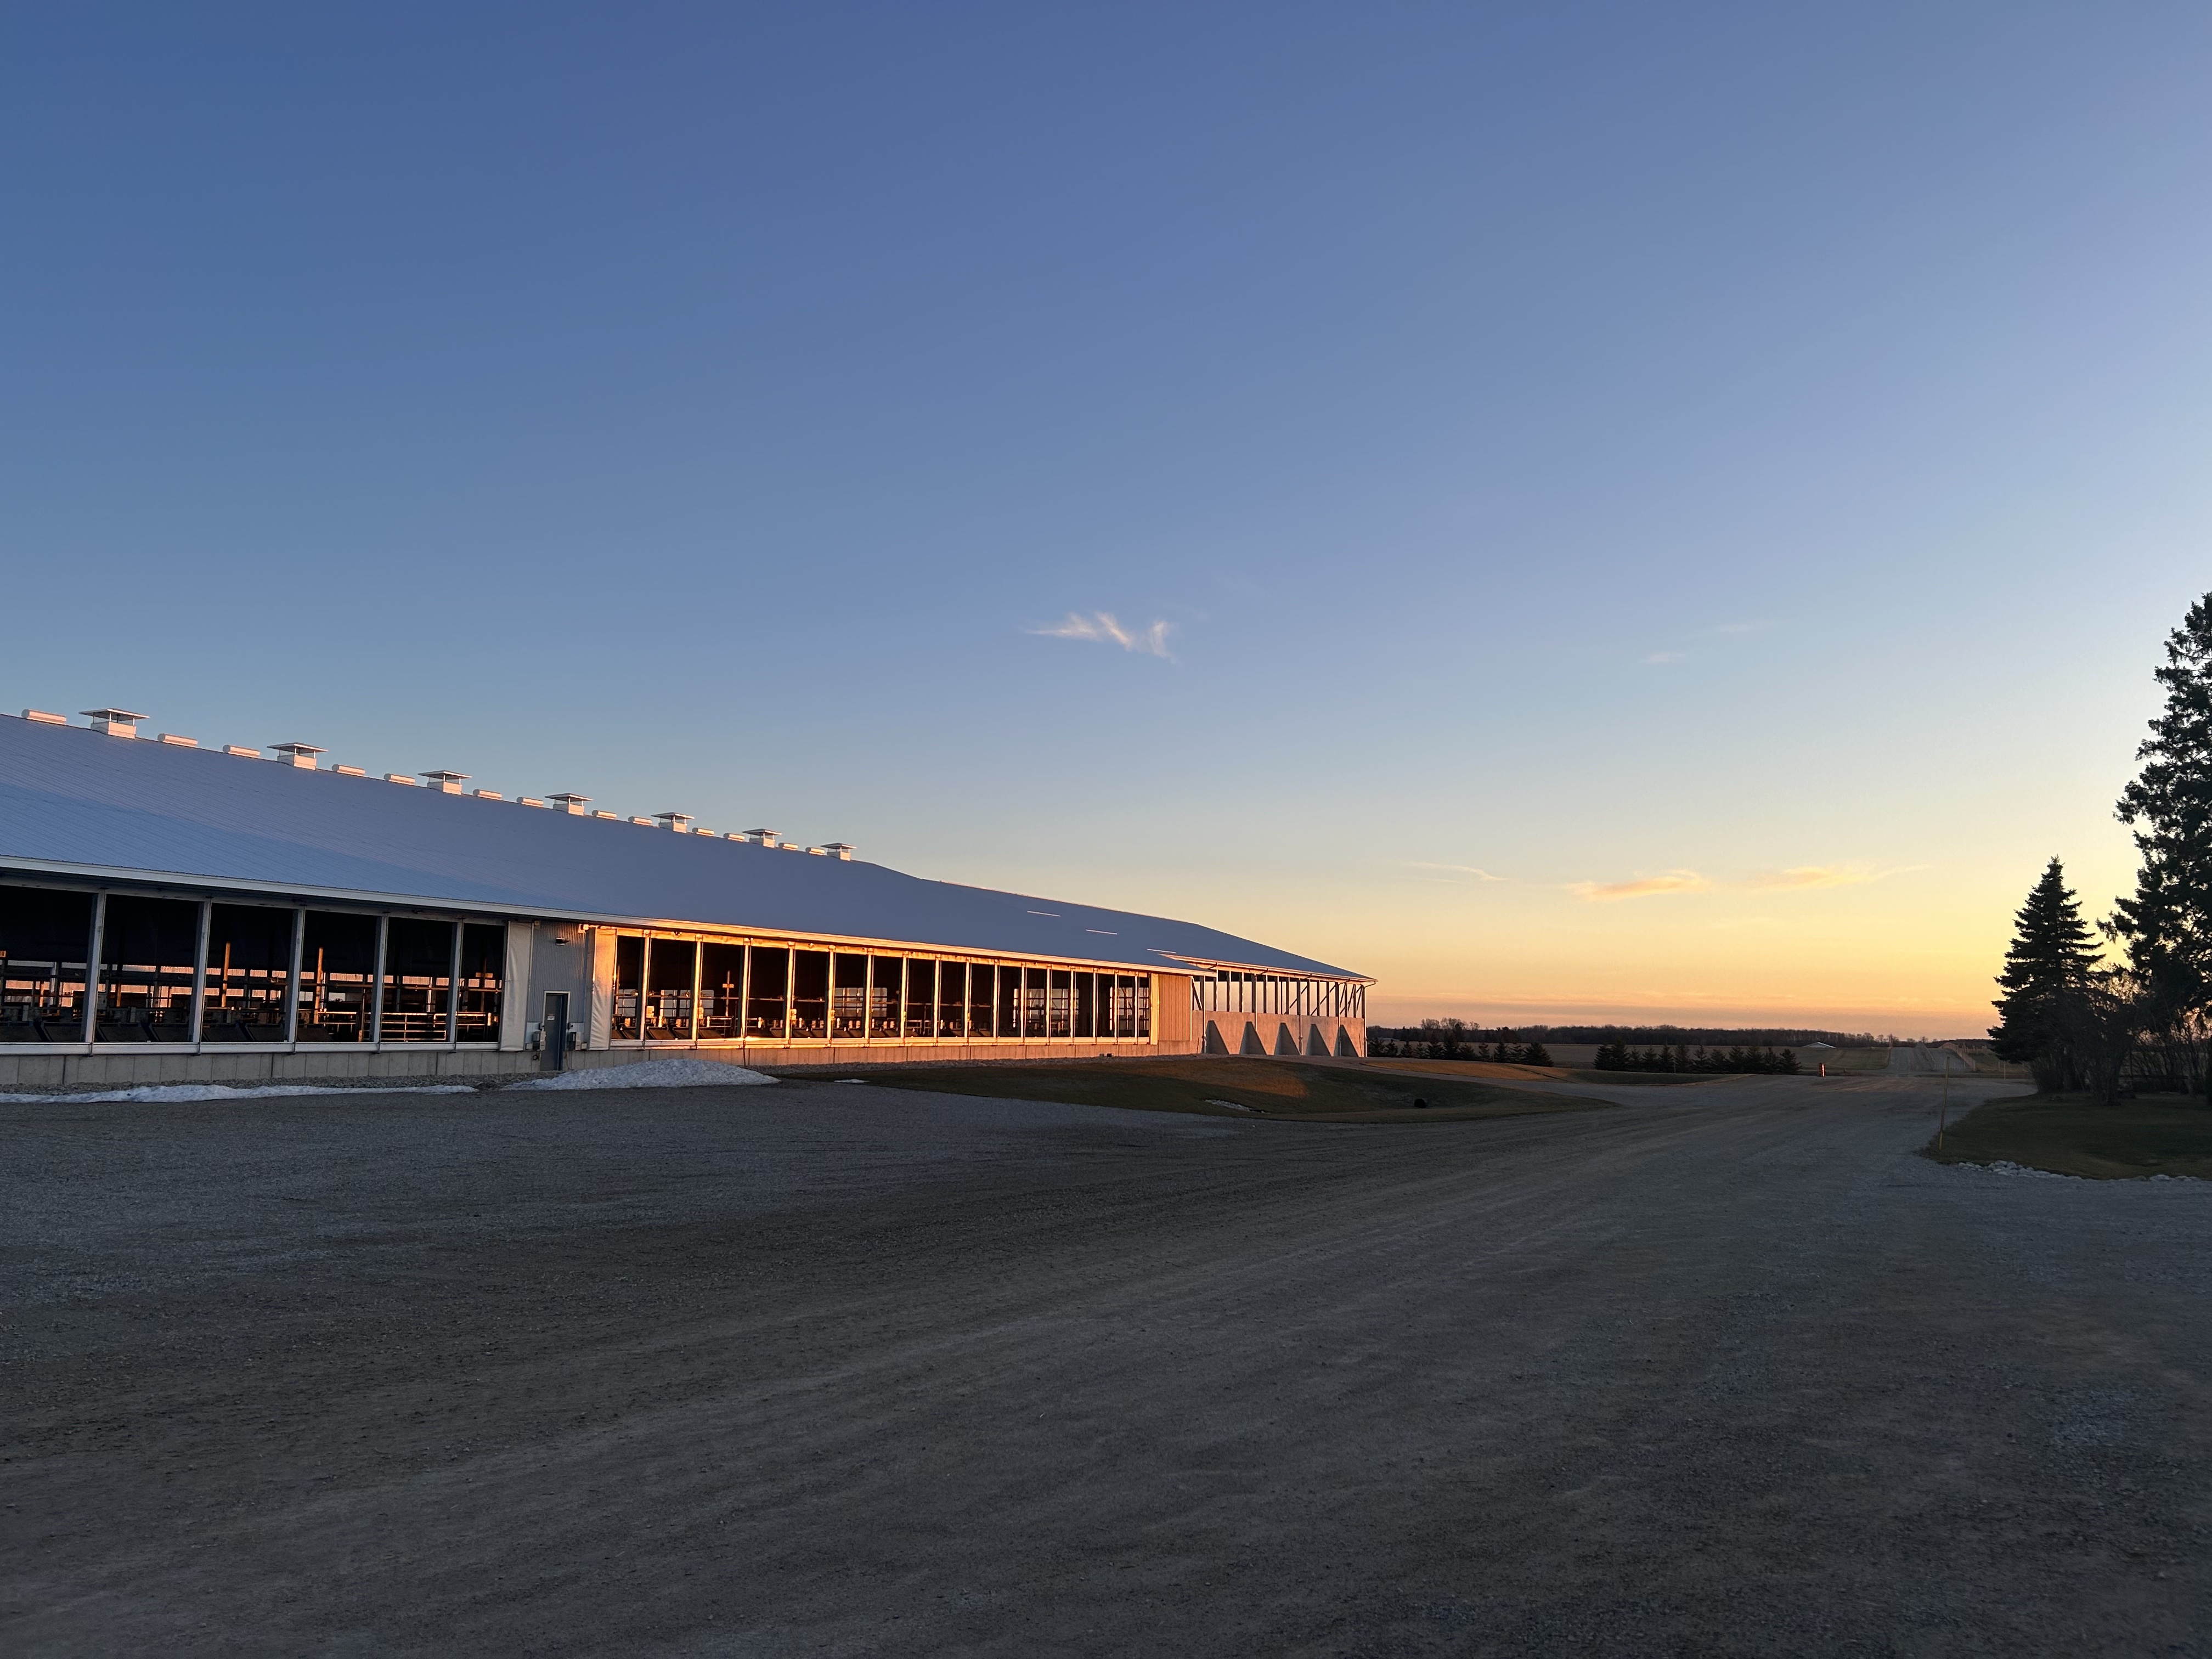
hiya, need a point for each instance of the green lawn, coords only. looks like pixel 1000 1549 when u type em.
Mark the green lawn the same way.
pixel 2157 1135
pixel 1268 1088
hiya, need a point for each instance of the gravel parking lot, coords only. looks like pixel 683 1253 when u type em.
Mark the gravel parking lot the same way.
pixel 823 1368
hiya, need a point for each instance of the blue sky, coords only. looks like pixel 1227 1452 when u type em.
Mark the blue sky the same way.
pixel 1560 451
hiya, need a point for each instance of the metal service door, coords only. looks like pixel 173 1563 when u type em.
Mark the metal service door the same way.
pixel 553 1044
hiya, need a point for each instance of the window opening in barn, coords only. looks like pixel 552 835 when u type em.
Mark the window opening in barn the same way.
pixel 337 977
pixel 1010 1001
pixel 669 964
pixel 483 973
pixel 1086 1005
pixel 766 991
pixel 418 968
pixel 44 936
pixel 629 988
pixel 982 999
pixel 1144 1008
pixel 146 951
pixel 921 998
pixel 849 995
pixel 1033 1016
pixel 810 994
pixel 721 990
pixel 885 987
pixel 1060 1006
pixel 952 999
pixel 249 970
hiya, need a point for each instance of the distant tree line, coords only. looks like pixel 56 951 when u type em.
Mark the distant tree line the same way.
pixel 1453 1039
pixel 1668 1036
pixel 2128 1006
pixel 1764 1058
pixel 1620 1047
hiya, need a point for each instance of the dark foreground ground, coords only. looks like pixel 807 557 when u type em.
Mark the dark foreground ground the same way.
pixel 841 1370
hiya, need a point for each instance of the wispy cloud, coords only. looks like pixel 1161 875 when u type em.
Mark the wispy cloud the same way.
pixel 1103 626
pixel 1675 881
pixel 1721 630
pixel 1799 878
pixel 1457 869
pixel 1825 875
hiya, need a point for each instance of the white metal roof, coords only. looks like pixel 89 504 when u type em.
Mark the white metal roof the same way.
pixel 79 802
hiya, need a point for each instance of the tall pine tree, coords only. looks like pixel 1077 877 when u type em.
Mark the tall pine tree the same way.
pixel 2045 981
pixel 2166 926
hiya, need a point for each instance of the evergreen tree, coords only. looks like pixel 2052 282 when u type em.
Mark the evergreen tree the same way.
pixel 1788 1063
pixel 1536 1055
pixel 2045 980
pixel 2166 926
pixel 1701 1062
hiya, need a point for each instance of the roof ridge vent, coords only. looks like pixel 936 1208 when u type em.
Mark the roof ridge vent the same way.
pixel 839 850
pixel 116 722
pixel 571 805
pixel 446 782
pixel 301 754
pixel 42 718
pixel 679 822
pixel 762 837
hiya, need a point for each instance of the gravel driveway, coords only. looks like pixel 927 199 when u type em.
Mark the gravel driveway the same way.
pixel 833 1370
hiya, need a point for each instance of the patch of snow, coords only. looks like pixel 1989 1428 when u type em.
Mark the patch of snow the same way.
pixel 1231 1104
pixel 2005 1166
pixel 678 1073
pixel 192 1093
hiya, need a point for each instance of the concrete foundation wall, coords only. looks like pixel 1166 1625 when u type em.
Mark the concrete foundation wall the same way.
pixel 1283 1036
pixel 126 1068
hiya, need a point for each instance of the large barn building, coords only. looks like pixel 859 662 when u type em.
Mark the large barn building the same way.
pixel 173 913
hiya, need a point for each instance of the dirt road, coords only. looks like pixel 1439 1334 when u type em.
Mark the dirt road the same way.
pixel 832 1369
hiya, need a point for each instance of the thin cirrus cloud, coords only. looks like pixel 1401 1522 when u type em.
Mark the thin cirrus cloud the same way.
pixel 1470 871
pixel 1103 626
pixel 1675 881
pixel 1662 658
pixel 1799 878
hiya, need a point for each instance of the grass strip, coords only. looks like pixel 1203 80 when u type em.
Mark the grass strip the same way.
pixel 2070 1134
pixel 1509 1069
pixel 1218 1087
